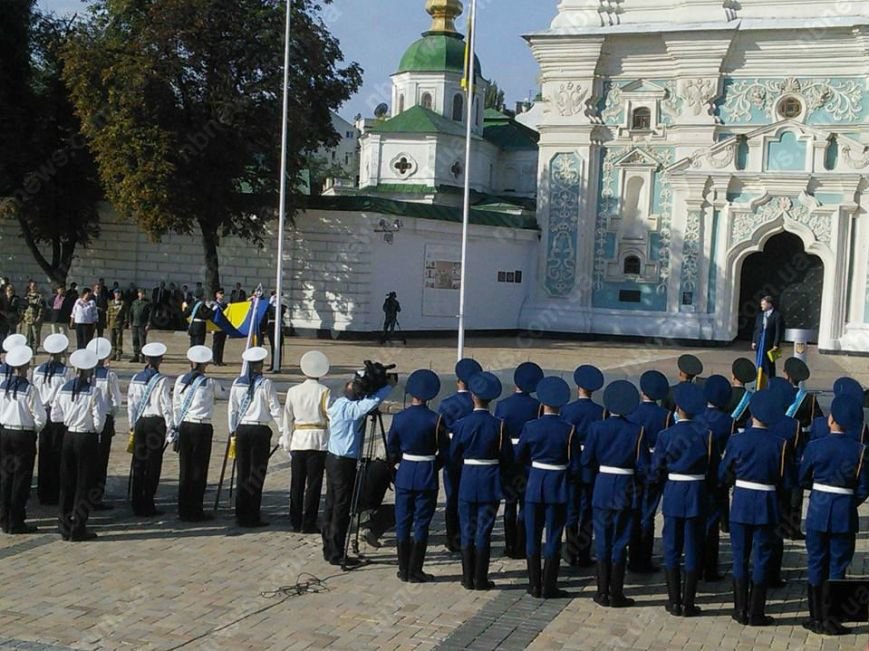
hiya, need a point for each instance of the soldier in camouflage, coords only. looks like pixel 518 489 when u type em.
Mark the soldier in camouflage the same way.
pixel 34 313
pixel 117 318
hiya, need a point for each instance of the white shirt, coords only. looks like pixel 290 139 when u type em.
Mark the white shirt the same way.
pixel 306 419
pixel 201 409
pixel 264 407
pixel 21 410
pixel 159 402
pixel 49 388
pixel 84 311
pixel 109 389
pixel 83 413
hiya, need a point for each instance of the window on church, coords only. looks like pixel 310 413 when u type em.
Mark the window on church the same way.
pixel 426 101
pixel 831 154
pixel 401 103
pixel 632 266
pixel 641 119
pixel 458 107
pixel 790 107
pixel 742 152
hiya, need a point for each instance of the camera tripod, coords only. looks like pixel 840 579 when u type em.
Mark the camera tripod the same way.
pixel 375 422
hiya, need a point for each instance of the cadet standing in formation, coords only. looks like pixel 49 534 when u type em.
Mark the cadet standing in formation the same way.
pixel 116 320
pixel 22 415
pixel 417 441
pixel 515 410
pixel 804 409
pixel 743 372
pixel 48 378
pixel 109 390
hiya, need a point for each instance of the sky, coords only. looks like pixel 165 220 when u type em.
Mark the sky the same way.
pixel 375 33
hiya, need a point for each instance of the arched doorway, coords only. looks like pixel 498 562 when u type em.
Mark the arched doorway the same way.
pixel 786 272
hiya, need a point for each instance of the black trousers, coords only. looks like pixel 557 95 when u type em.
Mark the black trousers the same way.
pixel 105 452
pixel 48 477
pixel 306 484
pixel 197 338
pixel 194 453
pixel 84 332
pixel 218 343
pixel 78 482
pixel 252 461
pixel 17 451
pixel 340 478
pixel 150 434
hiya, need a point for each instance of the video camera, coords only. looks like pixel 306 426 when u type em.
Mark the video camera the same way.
pixel 374 377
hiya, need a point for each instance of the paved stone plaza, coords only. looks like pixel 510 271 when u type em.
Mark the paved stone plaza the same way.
pixel 163 584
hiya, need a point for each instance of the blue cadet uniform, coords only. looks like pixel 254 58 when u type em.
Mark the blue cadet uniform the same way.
pixel 834 468
pixel 804 408
pixel 859 431
pixel 481 446
pixel 689 368
pixel 754 462
pixel 616 453
pixel 744 372
pixel 581 414
pixel 549 446
pixel 418 443
pixel 717 391
pixel 686 462
pixel 452 409
pixel 515 411
pixel 653 418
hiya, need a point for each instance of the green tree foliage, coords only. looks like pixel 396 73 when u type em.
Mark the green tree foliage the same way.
pixel 495 97
pixel 181 101
pixel 48 180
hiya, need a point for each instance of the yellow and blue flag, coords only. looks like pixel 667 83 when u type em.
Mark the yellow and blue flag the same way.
pixel 759 361
pixel 238 320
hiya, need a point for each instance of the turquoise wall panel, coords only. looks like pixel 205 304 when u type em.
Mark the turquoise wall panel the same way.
pixel 787 154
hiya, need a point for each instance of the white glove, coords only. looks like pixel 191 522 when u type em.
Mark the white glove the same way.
pixel 171 436
pixel 285 442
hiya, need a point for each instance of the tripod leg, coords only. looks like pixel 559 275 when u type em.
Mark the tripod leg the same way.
pixel 222 474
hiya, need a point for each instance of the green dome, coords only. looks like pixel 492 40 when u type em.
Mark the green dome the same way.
pixel 437 52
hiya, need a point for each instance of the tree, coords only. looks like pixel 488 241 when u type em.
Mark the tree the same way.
pixel 189 93
pixel 494 97
pixel 47 176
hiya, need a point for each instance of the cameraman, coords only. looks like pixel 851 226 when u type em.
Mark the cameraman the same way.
pixel 346 432
pixel 391 308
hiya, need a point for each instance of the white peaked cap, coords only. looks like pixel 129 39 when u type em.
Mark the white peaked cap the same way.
pixel 56 343
pixel 83 359
pixel 314 364
pixel 13 341
pixel 200 354
pixel 101 347
pixel 19 356
pixel 155 349
pixel 255 354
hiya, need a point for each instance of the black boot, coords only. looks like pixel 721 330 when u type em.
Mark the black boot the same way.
pixel 689 609
pixel 740 601
pixel 509 535
pixel 451 523
pixel 756 612
pixel 710 556
pixel 814 621
pixel 647 545
pixel 674 590
pixel 535 587
pixel 481 570
pixel 775 577
pixel 550 579
pixel 403 549
pixel 520 539
pixel 602 598
pixel 571 548
pixel 617 588
pixel 831 625
pixel 583 541
pixel 417 558
pixel 468 557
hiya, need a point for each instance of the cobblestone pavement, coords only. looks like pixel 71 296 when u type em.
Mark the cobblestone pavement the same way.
pixel 163 584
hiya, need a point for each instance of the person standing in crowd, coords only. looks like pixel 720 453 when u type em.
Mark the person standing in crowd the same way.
pixel 160 295
pixel 79 408
pixel 686 464
pixel 253 405
pixel 268 325
pixel 218 337
pixel 391 308
pixel 453 408
pixel 84 318
pixel 149 412
pixel 22 415
pixel 305 437
pixel 548 446
pixel 198 315
pixel 116 320
pixel 480 445
pixel 769 330
pixel 11 308
pixel 744 372
pixel 690 368
pixel 754 463
pixel 193 407
pixel 57 315
pixel 616 456
pixel 34 315
pixel 141 313
pixel 516 410
pixel 581 413
pixel 106 382
pixel 417 442
pixel 101 300
pixel 237 295
pixel 48 379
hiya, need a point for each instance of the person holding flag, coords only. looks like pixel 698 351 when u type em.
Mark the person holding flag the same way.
pixel 769 329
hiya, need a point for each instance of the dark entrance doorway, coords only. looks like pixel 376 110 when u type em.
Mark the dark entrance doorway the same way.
pixel 791 276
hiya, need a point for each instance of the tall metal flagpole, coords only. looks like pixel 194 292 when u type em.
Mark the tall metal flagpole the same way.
pixel 466 206
pixel 282 209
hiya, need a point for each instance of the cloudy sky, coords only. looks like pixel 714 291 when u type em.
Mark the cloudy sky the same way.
pixel 375 33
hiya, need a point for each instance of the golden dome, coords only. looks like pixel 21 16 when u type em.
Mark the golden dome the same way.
pixel 443 14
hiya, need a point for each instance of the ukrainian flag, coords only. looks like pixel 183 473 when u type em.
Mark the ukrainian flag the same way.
pixel 240 319
pixel 759 362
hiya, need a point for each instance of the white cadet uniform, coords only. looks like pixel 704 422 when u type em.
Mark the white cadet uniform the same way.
pixel 306 421
pixel 201 407
pixel 154 418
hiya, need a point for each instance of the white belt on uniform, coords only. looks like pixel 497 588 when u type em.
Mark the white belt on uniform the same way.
pixel 421 458
pixel 481 462
pixel 612 470
pixel 754 486
pixel 80 431
pixel 651 450
pixel 806 430
pixel 836 490
pixel 547 466
pixel 198 320
pixel 514 441
pixel 17 428
pixel 198 421
pixel 265 422
pixel 675 476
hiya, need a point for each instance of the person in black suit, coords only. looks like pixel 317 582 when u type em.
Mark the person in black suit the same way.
pixel 769 329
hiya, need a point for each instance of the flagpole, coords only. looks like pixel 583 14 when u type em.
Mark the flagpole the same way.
pixel 466 205
pixel 282 209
